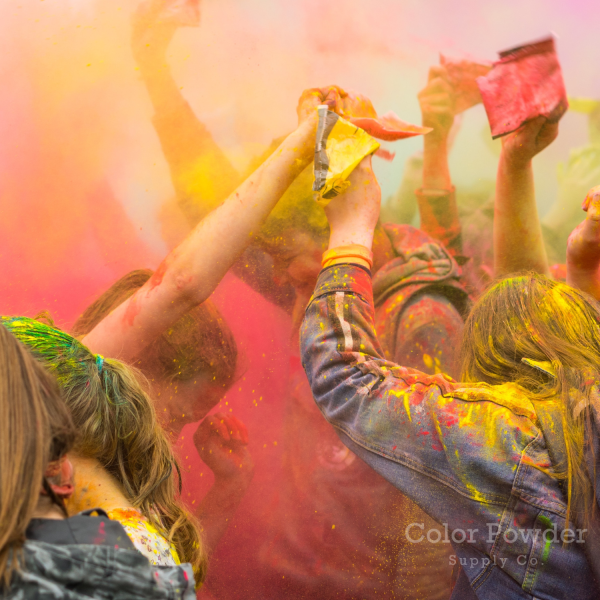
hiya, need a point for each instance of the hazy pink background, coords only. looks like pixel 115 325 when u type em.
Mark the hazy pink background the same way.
pixel 74 118
pixel 82 176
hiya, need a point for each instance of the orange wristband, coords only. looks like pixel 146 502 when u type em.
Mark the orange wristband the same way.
pixel 353 253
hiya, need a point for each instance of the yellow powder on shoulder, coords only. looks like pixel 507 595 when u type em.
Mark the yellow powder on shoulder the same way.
pixel 145 537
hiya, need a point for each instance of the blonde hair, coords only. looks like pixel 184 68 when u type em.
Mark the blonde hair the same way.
pixel 117 426
pixel 538 319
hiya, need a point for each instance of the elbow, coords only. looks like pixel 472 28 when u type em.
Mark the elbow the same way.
pixel 186 289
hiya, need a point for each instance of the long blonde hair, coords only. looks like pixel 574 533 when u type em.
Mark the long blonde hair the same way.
pixel 117 426
pixel 35 429
pixel 538 319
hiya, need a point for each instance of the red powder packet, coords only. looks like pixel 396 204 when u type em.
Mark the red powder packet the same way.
pixel 359 110
pixel 388 127
pixel 525 83
pixel 462 75
pixel 183 13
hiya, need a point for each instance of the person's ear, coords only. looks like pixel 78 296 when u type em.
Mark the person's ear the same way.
pixel 59 476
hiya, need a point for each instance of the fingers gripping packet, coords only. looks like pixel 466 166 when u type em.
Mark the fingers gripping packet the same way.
pixel 339 148
pixel 524 84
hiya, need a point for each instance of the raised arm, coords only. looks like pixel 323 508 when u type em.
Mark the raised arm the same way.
pixel 583 248
pixel 392 417
pixel 518 241
pixel 436 199
pixel 221 441
pixel 191 272
pixel 201 173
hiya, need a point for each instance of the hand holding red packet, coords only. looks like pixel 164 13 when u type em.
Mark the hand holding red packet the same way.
pixel 462 75
pixel 524 84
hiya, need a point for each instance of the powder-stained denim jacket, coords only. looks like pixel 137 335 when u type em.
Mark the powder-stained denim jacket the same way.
pixel 474 457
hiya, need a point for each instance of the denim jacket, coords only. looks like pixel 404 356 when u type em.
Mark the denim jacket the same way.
pixel 473 456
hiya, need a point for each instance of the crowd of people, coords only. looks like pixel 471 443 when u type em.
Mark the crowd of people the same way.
pixel 441 429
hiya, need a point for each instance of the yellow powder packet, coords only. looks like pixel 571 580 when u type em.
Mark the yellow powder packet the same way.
pixel 339 148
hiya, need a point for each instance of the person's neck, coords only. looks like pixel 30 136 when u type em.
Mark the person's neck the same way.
pixel 383 251
pixel 95 487
pixel 46 509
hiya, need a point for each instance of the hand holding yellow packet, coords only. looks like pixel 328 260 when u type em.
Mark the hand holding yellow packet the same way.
pixel 339 147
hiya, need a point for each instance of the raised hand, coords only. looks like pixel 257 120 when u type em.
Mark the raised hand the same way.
pixel 311 98
pixel 437 103
pixel 583 247
pixel 520 147
pixel 221 441
pixel 353 215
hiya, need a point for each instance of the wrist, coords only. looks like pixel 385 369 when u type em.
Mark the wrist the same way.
pixel 436 141
pixel 436 173
pixel 351 236
pixel 234 485
pixel 353 253
pixel 150 61
pixel 515 163
pixel 302 142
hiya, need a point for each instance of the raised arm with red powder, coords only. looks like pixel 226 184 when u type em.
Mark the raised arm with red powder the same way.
pixel 518 241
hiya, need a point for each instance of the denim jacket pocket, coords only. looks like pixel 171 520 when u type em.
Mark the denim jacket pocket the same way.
pixel 531 543
pixel 519 546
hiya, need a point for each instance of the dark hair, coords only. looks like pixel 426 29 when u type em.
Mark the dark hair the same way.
pixel 199 342
pixel 35 429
